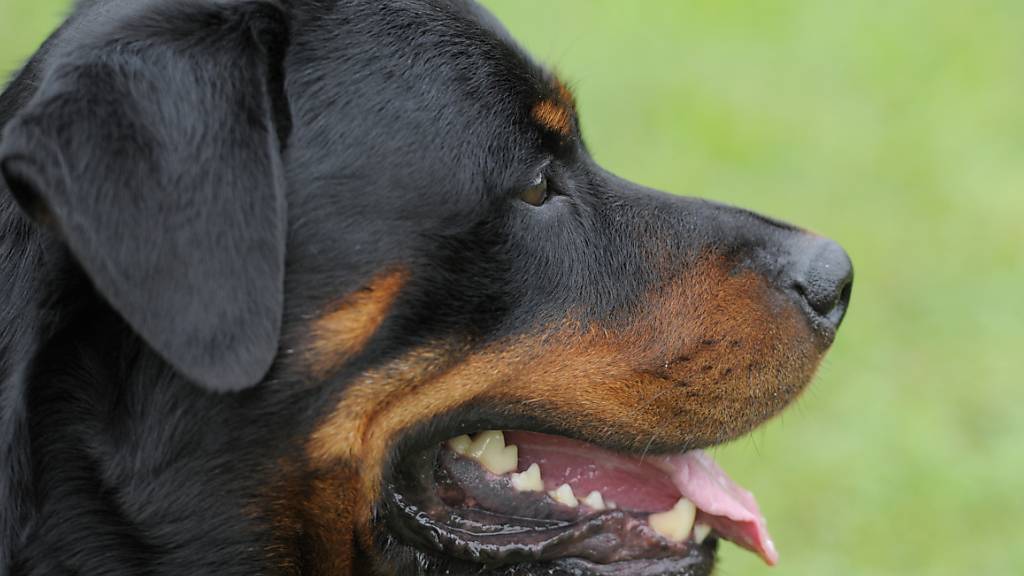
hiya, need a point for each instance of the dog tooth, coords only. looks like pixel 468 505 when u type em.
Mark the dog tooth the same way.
pixel 488 448
pixel 595 501
pixel 611 505
pixel 482 440
pixel 500 459
pixel 460 444
pixel 700 532
pixel 528 480
pixel 675 524
pixel 563 495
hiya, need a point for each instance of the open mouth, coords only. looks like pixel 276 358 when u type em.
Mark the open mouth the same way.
pixel 516 497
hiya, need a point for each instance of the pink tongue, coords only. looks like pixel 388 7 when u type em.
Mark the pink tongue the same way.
pixel 730 510
pixel 636 484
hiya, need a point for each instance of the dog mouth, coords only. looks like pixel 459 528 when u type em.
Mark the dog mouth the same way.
pixel 501 498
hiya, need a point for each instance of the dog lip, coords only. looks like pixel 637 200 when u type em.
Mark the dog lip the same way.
pixel 609 541
pixel 485 538
pixel 699 562
pixel 418 513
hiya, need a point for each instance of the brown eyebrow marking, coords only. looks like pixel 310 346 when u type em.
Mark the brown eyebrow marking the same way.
pixel 556 113
pixel 343 332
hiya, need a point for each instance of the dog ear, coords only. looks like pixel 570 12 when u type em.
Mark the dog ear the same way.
pixel 153 149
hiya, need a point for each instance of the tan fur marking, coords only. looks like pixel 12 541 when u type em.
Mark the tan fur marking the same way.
pixel 554 117
pixel 711 356
pixel 312 518
pixel 556 114
pixel 342 333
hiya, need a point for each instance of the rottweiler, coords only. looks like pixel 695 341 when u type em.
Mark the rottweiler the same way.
pixel 318 287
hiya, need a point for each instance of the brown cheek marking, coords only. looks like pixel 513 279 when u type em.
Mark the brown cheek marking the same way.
pixel 313 521
pixel 614 384
pixel 342 333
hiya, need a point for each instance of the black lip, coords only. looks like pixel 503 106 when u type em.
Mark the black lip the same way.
pixel 467 542
pixel 699 562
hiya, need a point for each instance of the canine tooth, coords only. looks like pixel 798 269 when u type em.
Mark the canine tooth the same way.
pixel 488 448
pixel 563 495
pixel 594 500
pixel 675 524
pixel 700 532
pixel 460 444
pixel 611 505
pixel 528 480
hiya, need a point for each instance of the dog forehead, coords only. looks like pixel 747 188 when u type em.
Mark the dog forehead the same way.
pixel 406 95
pixel 412 49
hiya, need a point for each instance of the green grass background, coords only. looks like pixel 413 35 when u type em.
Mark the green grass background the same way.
pixel 896 128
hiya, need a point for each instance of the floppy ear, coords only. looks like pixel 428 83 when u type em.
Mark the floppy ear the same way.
pixel 153 149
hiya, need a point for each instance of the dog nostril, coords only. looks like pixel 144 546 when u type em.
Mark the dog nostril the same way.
pixel 823 277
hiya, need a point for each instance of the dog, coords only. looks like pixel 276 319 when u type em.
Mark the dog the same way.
pixel 326 288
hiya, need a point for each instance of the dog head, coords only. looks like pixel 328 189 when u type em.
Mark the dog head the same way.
pixel 294 248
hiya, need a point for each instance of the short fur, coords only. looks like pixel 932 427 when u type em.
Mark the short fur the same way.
pixel 254 251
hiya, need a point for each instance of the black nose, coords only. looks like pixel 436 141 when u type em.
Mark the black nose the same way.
pixel 822 275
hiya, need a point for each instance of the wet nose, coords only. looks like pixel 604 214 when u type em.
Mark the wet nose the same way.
pixel 822 275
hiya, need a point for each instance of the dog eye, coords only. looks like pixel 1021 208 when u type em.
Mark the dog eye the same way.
pixel 537 193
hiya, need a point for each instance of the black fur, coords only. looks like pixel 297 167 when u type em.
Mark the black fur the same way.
pixel 178 218
pixel 198 179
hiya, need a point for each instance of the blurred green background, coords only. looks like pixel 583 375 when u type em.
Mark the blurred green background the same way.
pixel 896 128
